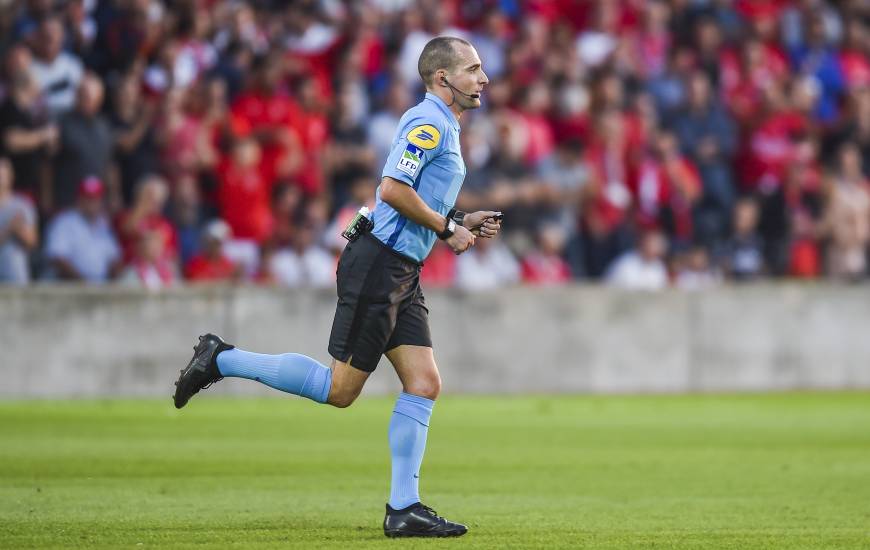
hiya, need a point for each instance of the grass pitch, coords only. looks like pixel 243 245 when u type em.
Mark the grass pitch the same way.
pixel 750 471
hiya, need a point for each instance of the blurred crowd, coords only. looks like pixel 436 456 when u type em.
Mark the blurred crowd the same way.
pixel 642 143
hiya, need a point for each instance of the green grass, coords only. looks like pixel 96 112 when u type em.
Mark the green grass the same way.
pixel 749 471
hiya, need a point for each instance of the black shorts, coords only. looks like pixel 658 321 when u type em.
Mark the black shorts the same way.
pixel 380 304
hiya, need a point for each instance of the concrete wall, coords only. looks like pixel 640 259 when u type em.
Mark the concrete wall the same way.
pixel 62 341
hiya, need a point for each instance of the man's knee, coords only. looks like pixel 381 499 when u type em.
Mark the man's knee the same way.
pixel 428 386
pixel 347 383
pixel 342 400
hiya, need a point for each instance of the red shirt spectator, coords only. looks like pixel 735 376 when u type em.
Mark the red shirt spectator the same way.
pixel 145 217
pixel 666 184
pixel 769 147
pixel 747 73
pixel 243 194
pixel 212 265
pixel 545 264
pixel 272 118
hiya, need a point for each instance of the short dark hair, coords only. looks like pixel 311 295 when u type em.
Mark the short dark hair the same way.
pixel 439 53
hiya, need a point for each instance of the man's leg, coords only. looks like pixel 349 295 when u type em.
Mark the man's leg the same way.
pixel 338 385
pixel 294 373
pixel 409 427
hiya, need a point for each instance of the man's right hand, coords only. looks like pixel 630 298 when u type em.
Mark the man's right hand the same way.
pixel 461 240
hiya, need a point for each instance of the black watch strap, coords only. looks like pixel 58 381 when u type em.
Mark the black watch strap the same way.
pixel 457 215
pixel 449 229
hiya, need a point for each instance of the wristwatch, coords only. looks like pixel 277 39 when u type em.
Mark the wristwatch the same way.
pixel 449 229
pixel 457 215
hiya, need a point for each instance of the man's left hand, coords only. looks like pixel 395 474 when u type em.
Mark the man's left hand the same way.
pixel 482 223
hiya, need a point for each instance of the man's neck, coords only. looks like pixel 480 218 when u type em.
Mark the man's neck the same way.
pixel 446 95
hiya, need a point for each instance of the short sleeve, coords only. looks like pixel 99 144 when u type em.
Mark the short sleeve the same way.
pixel 57 243
pixel 419 142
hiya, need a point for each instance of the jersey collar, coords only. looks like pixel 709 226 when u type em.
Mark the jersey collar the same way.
pixel 444 109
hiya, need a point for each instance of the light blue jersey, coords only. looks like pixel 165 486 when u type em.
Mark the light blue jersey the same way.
pixel 425 155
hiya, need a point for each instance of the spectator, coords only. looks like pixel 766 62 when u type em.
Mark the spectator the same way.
pixel 185 138
pixel 187 215
pixel 149 267
pixel 540 138
pixel 81 245
pixel 744 252
pixel 18 230
pixel 489 265
pixel 266 113
pixel 212 265
pixel 708 136
pixel 854 55
pixel 85 147
pixel 855 128
pixel 545 265
pixel 132 121
pixel 17 60
pixel 798 199
pixel 665 189
pixel 382 125
pixel 847 217
pixel 694 271
pixel 146 216
pixel 642 268
pixel 564 176
pixel 243 194
pixel 597 43
pixel 303 263
pixel 818 60
pixel 57 72
pixel 28 138
pixel 491 41
pixel 347 154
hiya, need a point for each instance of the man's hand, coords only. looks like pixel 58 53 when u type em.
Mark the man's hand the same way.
pixel 482 223
pixel 461 240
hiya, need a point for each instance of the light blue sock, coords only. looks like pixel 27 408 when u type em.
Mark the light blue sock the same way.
pixel 289 372
pixel 408 429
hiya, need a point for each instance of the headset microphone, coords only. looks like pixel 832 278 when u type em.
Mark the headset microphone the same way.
pixel 455 89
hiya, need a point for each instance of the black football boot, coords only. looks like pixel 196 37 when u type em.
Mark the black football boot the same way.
pixel 418 520
pixel 202 371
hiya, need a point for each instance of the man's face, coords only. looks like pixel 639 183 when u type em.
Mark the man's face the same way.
pixel 50 39
pixel 91 207
pixel 467 76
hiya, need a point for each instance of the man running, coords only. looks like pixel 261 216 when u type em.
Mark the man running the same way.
pixel 381 308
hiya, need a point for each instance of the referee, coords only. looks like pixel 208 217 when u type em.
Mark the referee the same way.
pixel 381 308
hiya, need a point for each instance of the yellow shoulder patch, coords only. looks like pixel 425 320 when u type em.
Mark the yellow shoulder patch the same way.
pixel 425 136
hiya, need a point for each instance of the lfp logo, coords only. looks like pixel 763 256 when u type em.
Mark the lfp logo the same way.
pixel 425 136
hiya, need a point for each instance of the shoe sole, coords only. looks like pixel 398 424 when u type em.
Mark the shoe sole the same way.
pixel 404 534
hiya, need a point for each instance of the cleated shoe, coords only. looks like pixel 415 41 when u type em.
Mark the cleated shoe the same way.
pixel 202 371
pixel 418 520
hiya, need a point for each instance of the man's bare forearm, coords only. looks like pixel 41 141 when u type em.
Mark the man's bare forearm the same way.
pixel 408 203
